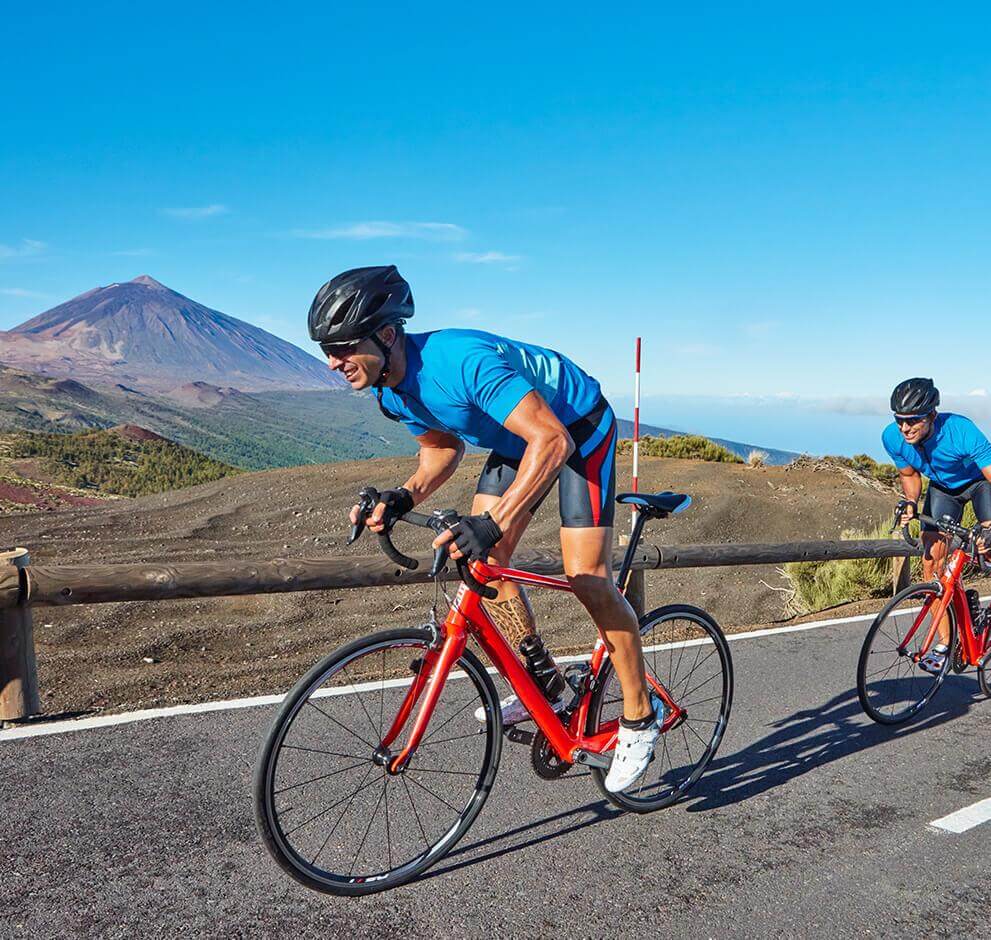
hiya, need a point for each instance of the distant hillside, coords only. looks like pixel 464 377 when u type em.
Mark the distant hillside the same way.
pixel 253 431
pixel 151 338
pixel 126 461
pixel 774 457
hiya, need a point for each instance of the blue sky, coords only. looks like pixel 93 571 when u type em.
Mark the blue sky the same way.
pixel 787 206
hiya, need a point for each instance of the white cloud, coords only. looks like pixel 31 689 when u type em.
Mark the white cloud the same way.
pixel 364 231
pixel 133 253
pixel 979 393
pixel 485 257
pixel 468 313
pixel 27 248
pixel 197 212
pixel 21 292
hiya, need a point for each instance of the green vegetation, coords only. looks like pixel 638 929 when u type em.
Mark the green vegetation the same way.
pixel 106 462
pixel 685 446
pixel 886 473
pixel 818 585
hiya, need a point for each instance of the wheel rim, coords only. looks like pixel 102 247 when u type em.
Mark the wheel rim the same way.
pixel 892 686
pixel 684 654
pixel 338 817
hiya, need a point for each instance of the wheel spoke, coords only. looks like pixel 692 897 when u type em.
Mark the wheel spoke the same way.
pixel 350 731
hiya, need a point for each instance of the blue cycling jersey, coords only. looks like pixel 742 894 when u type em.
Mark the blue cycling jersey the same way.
pixel 952 456
pixel 467 383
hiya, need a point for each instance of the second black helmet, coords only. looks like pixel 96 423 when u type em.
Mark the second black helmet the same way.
pixel 356 303
pixel 914 397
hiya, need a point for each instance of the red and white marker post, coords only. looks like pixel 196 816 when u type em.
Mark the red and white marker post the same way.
pixel 636 433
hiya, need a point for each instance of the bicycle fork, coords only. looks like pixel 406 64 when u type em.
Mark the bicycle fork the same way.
pixel 431 677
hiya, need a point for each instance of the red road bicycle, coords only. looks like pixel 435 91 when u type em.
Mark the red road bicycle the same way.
pixel 382 756
pixel 891 686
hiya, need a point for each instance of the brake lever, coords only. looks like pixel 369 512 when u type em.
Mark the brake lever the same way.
pixel 441 520
pixel 368 499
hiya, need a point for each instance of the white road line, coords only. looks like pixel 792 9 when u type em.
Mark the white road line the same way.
pixel 964 819
pixel 106 721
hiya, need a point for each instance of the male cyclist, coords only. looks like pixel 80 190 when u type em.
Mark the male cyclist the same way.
pixel 542 418
pixel 949 449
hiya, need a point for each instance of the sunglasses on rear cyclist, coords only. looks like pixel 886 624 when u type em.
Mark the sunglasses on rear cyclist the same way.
pixel 340 350
pixel 910 420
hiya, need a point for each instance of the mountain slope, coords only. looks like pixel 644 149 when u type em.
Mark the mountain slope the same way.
pixel 254 431
pixel 152 338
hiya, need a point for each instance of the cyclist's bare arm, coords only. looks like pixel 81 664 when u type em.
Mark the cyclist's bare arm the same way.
pixel 548 447
pixel 911 481
pixel 439 456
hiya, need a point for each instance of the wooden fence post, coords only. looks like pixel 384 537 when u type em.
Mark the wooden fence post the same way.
pixel 636 591
pixel 18 672
pixel 901 573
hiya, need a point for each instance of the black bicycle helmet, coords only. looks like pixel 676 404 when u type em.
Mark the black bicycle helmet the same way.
pixel 914 397
pixel 353 305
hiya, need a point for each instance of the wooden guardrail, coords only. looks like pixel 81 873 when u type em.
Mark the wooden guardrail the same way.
pixel 23 585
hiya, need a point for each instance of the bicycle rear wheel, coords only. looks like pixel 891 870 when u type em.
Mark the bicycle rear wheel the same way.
pixel 891 686
pixel 686 651
pixel 326 808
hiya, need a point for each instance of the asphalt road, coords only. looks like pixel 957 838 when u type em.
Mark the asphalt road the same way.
pixel 811 821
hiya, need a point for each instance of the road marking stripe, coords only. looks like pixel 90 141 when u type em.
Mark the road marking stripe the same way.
pixel 197 708
pixel 964 819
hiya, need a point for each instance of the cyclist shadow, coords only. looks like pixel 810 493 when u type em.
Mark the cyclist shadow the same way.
pixel 811 738
pixel 599 811
pixel 802 742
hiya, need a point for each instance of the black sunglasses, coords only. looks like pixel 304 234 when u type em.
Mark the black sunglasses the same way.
pixel 340 350
pixel 910 420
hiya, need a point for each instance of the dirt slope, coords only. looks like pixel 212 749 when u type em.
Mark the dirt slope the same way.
pixel 93 657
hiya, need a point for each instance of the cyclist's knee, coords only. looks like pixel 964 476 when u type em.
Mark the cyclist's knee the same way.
pixel 593 588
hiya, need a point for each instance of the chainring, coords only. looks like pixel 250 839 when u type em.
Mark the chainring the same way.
pixel 546 764
pixel 958 664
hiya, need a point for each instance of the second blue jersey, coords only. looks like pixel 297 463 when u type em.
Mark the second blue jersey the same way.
pixel 952 456
pixel 468 382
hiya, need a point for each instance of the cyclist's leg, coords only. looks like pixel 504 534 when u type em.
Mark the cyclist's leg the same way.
pixel 587 488
pixel 939 503
pixel 587 554
pixel 511 609
pixel 980 497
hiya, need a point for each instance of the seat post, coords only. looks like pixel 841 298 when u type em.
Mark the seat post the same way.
pixel 624 568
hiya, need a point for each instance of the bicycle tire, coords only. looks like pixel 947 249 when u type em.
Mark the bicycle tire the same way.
pixel 984 674
pixel 265 791
pixel 866 670
pixel 633 799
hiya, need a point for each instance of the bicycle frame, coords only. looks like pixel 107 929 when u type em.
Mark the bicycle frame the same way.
pixel 468 617
pixel 973 644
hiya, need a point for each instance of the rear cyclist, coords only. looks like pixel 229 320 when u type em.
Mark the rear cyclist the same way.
pixel 542 418
pixel 956 457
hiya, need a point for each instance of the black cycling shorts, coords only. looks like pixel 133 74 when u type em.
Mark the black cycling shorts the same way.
pixel 943 502
pixel 587 482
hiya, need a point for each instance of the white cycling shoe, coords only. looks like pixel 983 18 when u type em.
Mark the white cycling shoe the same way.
pixel 513 711
pixel 634 751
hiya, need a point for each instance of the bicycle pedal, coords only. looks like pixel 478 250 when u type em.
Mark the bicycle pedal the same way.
pixel 519 736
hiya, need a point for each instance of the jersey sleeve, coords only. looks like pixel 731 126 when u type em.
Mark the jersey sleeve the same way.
pixel 892 445
pixel 978 445
pixel 492 384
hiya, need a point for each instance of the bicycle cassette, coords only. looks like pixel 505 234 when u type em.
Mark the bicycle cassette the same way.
pixel 546 764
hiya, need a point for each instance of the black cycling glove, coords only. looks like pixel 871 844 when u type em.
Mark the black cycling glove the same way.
pixel 476 535
pixel 398 502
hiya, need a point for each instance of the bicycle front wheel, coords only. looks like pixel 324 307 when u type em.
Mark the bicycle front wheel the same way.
pixel 685 651
pixel 891 686
pixel 326 807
